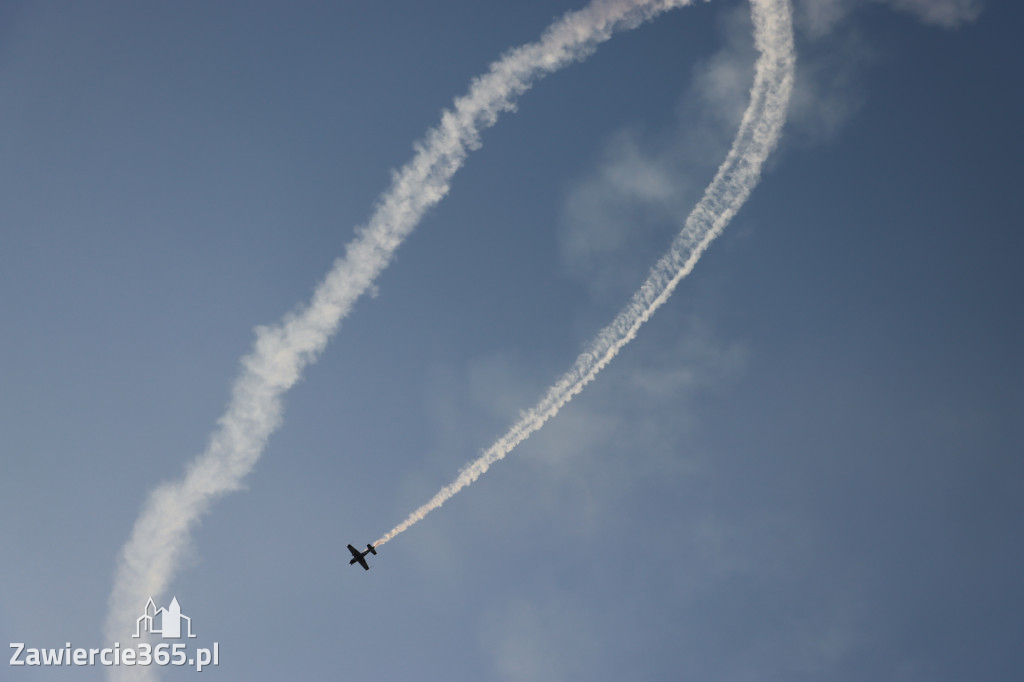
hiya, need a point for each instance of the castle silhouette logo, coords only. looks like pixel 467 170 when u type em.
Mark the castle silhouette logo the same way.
pixel 169 621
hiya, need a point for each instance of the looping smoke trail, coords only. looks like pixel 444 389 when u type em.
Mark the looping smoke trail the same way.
pixel 758 135
pixel 150 558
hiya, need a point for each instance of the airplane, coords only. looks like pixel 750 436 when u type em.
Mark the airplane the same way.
pixel 361 556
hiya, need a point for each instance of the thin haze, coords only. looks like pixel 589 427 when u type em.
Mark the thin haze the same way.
pixel 757 136
pixel 151 557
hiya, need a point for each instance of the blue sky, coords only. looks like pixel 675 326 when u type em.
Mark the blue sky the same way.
pixel 807 465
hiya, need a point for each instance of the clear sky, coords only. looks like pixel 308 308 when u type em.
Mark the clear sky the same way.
pixel 809 465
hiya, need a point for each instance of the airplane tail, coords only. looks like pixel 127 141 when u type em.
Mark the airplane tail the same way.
pixel 372 550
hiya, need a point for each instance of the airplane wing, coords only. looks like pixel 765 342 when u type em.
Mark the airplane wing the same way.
pixel 355 552
pixel 362 562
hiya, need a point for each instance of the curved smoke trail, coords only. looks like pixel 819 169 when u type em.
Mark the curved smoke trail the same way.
pixel 757 136
pixel 150 558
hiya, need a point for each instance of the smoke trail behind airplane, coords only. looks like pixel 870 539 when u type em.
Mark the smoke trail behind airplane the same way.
pixel 757 136
pixel 150 558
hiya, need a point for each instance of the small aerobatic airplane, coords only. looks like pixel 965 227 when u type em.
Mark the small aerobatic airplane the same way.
pixel 361 556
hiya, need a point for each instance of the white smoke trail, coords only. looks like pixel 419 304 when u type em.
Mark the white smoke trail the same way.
pixel 757 136
pixel 150 558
